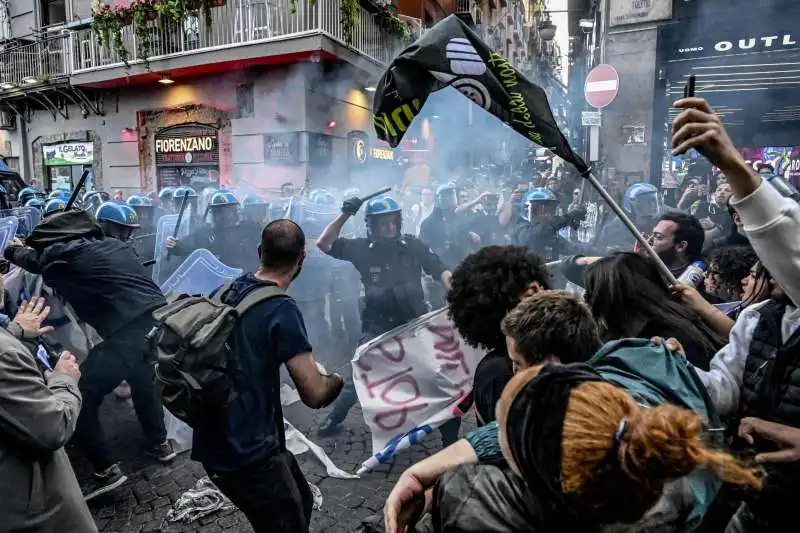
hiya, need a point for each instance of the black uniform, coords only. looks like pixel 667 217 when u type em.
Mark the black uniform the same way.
pixel 391 271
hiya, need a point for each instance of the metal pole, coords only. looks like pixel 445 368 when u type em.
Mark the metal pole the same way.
pixel 632 228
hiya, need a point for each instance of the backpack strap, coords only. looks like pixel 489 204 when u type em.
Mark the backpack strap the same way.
pixel 258 295
pixel 220 292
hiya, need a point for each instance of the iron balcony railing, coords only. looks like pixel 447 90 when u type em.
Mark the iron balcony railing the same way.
pixel 35 63
pixel 237 23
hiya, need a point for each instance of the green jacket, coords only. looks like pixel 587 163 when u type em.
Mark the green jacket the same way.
pixel 653 376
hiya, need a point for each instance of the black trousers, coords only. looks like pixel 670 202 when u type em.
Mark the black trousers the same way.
pixel 123 357
pixel 273 494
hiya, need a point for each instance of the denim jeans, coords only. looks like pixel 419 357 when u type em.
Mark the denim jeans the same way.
pixel 273 494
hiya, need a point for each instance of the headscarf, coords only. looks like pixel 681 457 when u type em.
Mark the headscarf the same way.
pixel 534 428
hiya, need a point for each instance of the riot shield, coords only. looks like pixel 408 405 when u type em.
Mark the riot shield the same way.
pixel 166 226
pixel 201 273
pixel 8 230
pixel 28 218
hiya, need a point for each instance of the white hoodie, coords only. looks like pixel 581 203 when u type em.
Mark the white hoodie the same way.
pixel 772 223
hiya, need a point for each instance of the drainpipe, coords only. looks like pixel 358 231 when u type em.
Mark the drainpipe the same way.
pixel 26 166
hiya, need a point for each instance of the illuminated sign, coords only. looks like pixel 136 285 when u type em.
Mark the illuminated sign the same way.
pixel 382 153
pixel 185 144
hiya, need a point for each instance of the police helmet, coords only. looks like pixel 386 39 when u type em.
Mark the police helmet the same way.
pixel 540 194
pixel 322 196
pixel 642 199
pixel 166 193
pixel 222 198
pixel 446 191
pixel 352 192
pixel 54 205
pixel 138 200
pixel 121 214
pixel 59 194
pixel 180 192
pixel 38 203
pixel 26 194
pixel 252 199
pixel 378 207
pixel 540 201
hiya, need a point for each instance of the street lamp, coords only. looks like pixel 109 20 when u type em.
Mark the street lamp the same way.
pixel 547 30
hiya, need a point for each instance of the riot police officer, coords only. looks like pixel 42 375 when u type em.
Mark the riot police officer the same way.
pixel 165 200
pixel 254 209
pixel 391 266
pixel 144 210
pixel 191 205
pixel 231 241
pixel 118 221
pixel 38 203
pixel 56 205
pixel 92 200
pixel 643 205
pixel 28 193
pixel 539 229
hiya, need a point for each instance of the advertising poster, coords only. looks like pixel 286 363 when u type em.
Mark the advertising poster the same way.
pixel 68 154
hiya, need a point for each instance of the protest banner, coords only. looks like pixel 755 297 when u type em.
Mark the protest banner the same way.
pixel 411 380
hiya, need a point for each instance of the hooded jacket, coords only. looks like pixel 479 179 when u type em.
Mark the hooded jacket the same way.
pixel 38 488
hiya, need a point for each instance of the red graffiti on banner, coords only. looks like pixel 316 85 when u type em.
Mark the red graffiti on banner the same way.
pixel 382 350
pixel 391 393
pixel 448 348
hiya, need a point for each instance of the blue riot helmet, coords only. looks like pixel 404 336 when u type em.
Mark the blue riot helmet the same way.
pixel 26 194
pixel 447 197
pixel 642 201
pixel 254 208
pixel 93 199
pixel 59 194
pixel 117 220
pixel 383 218
pixel 144 209
pixel 165 198
pixel 352 192
pixel 539 203
pixel 38 203
pixel 54 205
pixel 223 209
pixel 322 196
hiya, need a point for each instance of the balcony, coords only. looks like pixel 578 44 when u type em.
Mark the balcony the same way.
pixel 240 30
pixel 34 64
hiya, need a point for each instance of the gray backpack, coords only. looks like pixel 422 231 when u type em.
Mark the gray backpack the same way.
pixel 195 367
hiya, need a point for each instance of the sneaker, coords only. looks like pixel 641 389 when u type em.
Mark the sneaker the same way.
pixel 103 482
pixel 162 452
pixel 329 428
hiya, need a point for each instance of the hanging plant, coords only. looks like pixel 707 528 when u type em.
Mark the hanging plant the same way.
pixel 394 25
pixel 108 22
pixel 351 13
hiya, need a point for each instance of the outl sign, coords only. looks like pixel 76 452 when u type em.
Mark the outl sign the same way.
pixel 602 86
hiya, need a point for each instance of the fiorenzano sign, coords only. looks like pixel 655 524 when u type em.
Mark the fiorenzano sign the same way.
pixel 185 144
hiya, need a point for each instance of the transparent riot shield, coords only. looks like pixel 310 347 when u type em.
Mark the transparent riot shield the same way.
pixel 28 218
pixel 201 273
pixel 8 230
pixel 164 229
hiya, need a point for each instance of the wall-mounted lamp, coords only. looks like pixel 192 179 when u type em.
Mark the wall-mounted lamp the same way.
pixel 547 30
pixel 166 80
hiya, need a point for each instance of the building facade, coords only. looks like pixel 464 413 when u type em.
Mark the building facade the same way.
pixel 251 95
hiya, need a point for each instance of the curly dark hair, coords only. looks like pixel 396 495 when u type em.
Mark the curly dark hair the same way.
pixel 730 264
pixel 486 286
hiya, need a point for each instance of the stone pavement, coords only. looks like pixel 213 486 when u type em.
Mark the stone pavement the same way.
pixel 142 503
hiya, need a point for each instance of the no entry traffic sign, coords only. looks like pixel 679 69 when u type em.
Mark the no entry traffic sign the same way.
pixel 602 86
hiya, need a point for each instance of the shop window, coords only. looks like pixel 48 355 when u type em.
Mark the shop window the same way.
pixel 53 12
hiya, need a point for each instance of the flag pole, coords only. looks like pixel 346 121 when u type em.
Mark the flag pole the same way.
pixel 590 177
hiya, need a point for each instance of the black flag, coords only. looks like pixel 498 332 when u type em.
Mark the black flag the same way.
pixel 450 54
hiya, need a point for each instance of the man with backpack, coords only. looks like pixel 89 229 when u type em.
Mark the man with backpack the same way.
pixel 224 381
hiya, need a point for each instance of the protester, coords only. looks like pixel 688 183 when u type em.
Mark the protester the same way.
pixel 38 412
pixel 244 452
pixel 678 239
pixel 629 298
pixel 727 267
pixel 485 286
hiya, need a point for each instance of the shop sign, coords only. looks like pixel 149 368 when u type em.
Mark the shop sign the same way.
pixel 680 42
pixel 186 144
pixel 638 11
pixel 320 149
pixel 68 154
pixel 386 154
pixel 281 148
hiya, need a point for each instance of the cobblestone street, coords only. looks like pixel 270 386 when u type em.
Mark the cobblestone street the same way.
pixel 142 503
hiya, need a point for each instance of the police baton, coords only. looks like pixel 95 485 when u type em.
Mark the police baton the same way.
pixel 184 202
pixel 373 195
pixel 74 196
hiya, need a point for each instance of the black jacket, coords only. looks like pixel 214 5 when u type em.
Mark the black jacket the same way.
pixel 102 279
